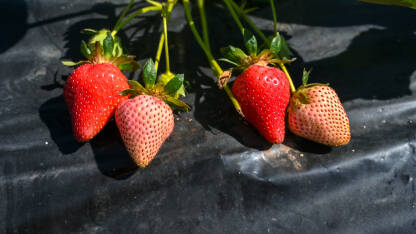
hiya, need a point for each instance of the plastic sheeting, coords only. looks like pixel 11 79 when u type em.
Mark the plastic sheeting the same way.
pixel 215 174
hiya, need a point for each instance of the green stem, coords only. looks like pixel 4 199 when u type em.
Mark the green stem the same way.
pixel 204 23
pixel 135 14
pixel 274 16
pixel 124 13
pixel 249 22
pixel 234 15
pixel 159 50
pixel 214 65
pixel 165 33
pixel 292 86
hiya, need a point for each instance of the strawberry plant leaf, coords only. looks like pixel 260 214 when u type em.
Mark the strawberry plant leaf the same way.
pixel 174 84
pixel 149 74
pixel 108 45
pixel 250 42
pixel 85 50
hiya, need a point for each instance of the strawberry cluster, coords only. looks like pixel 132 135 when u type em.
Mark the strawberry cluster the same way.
pixel 313 111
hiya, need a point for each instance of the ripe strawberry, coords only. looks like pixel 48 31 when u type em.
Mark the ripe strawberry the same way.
pixel 92 92
pixel 263 93
pixel 144 122
pixel 316 113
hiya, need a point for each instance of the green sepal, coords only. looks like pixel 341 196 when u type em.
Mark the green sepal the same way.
pixel 85 50
pixel 71 63
pixel 129 66
pixel 136 86
pixel 174 84
pixel 89 31
pixel 276 44
pixel 149 74
pixel 305 76
pixel 108 46
pixel 129 92
pixel 250 42
pixel 228 61
pixel 302 98
pixel 282 61
pixel 177 104
pixel 234 54
pixel 285 51
pixel 279 47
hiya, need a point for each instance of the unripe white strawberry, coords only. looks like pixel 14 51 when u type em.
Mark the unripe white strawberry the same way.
pixel 144 122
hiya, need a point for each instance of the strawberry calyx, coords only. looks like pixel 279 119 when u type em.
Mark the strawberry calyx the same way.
pixel 167 88
pixel 277 53
pixel 299 97
pixel 105 47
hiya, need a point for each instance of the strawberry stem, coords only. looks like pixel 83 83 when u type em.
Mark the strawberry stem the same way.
pixel 234 15
pixel 249 22
pixel 135 14
pixel 274 17
pixel 204 23
pixel 159 50
pixel 162 36
pixel 213 63
pixel 124 13
pixel 165 33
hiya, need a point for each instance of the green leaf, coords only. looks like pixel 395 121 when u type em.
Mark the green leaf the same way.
pixel 234 54
pixel 174 84
pixel 85 50
pixel 108 45
pixel 276 44
pixel 250 42
pixel 305 76
pixel 149 74
pixel 71 64
pixel 404 3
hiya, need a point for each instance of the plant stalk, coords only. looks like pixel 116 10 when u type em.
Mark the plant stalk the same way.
pixel 135 14
pixel 213 63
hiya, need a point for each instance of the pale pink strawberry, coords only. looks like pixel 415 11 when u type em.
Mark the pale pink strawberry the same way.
pixel 144 122
pixel 316 113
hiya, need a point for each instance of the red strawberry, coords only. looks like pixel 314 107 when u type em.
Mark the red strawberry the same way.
pixel 92 93
pixel 144 123
pixel 263 93
pixel 316 113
